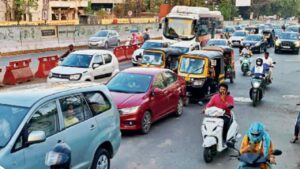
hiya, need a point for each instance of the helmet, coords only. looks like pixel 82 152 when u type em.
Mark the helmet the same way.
pixel 256 132
pixel 259 61
pixel 60 156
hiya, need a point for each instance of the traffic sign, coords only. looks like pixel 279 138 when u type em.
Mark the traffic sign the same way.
pixel 129 13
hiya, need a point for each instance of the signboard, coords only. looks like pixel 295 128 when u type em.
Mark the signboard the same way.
pixel 240 3
pixel 48 32
pixel 45 14
pixel 129 13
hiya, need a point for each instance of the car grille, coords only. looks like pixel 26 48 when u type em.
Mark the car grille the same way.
pixel 286 43
pixel 60 76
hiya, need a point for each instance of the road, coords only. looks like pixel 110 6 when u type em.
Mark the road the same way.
pixel 176 143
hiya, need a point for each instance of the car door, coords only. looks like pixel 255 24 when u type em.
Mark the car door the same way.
pixel 110 38
pixel 108 64
pixel 115 37
pixel 98 72
pixel 79 128
pixel 159 103
pixel 46 118
pixel 172 88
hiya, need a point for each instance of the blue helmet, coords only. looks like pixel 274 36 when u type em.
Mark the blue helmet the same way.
pixel 60 156
pixel 256 132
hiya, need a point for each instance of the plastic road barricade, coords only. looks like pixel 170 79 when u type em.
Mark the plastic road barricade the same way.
pixel 120 53
pixel 45 65
pixel 130 50
pixel 18 72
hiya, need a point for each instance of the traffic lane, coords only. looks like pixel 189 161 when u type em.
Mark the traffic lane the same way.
pixel 177 142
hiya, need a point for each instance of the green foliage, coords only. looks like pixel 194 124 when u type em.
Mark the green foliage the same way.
pixel 228 9
pixel 23 7
pixel 88 9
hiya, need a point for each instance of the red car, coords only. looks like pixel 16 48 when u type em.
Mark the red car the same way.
pixel 145 95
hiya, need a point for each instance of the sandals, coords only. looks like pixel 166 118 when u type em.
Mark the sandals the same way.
pixel 294 140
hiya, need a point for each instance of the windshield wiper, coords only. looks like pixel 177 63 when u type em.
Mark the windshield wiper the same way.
pixel 120 91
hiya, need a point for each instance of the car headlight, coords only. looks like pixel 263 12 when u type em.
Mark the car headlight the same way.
pixel 130 110
pixel 198 82
pixel 256 84
pixel 75 76
pixel 278 42
pixel 1 167
pixel 257 44
pixel 297 44
pixel 49 76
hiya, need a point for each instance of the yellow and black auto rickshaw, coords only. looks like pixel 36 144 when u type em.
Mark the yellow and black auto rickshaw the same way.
pixel 162 58
pixel 228 54
pixel 203 71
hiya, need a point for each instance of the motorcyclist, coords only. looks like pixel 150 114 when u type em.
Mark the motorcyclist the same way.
pixel 268 62
pixel 246 50
pixel 257 140
pixel 70 50
pixel 59 157
pixel 259 70
pixel 223 100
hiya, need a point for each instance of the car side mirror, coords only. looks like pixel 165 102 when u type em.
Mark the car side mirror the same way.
pixel 156 92
pixel 277 152
pixel 35 137
pixel 96 65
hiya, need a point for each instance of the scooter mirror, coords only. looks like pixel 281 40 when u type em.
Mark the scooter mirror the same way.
pixel 230 107
pixel 277 152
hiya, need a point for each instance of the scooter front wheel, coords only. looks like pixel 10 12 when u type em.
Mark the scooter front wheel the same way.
pixel 208 154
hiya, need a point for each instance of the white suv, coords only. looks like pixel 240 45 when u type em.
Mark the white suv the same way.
pixel 85 65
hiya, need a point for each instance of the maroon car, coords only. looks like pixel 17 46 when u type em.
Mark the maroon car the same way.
pixel 145 95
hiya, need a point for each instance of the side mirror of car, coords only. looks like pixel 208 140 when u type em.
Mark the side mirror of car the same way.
pixel 96 65
pixel 35 137
pixel 156 92
pixel 277 152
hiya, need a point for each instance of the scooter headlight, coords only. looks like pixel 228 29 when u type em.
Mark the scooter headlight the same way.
pixel 256 84
pixel 198 82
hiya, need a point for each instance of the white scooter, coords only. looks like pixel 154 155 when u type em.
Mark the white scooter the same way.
pixel 212 130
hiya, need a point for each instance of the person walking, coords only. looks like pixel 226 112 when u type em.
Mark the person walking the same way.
pixel 297 127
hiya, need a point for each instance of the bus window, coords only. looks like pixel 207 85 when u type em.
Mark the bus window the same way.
pixel 203 27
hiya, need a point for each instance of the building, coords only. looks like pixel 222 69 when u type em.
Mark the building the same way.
pixel 65 9
pixel 105 4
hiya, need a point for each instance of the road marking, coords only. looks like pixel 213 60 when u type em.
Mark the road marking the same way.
pixel 166 143
pixel 291 96
pixel 242 99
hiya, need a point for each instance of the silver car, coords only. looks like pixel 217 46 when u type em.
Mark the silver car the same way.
pixel 35 118
pixel 104 39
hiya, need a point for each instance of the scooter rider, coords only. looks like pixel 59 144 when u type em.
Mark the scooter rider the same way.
pixel 223 101
pixel 269 62
pixel 259 70
pixel 257 140
pixel 246 50
pixel 59 157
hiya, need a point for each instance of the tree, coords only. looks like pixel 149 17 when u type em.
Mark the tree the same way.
pixel 228 9
pixel 22 7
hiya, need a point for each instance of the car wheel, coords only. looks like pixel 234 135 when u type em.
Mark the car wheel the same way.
pixel 179 110
pixel 276 51
pixel 106 45
pixel 261 50
pixel 146 122
pixel 297 52
pixel 101 160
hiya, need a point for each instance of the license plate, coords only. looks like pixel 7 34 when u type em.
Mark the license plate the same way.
pixel 286 47
pixel 93 44
pixel 187 78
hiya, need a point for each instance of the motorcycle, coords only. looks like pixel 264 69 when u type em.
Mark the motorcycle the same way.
pixel 245 64
pixel 257 90
pixel 212 130
pixel 251 160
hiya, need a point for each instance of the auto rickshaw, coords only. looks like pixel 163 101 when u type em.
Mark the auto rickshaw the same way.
pixel 252 29
pixel 268 36
pixel 203 71
pixel 228 54
pixel 161 58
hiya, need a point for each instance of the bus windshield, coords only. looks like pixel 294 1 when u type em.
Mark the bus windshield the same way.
pixel 179 28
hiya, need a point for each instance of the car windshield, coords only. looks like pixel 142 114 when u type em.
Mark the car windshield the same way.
pixel 77 60
pixel 152 58
pixel 182 49
pixel 291 36
pixel 252 38
pixel 191 65
pixel 152 45
pixel 101 34
pixel 239 34
pixel 179 28
pixel 216 43
pixel 130 83
pixel 10 119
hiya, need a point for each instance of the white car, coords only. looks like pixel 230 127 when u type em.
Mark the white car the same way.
pixel 237 37
pixel 149 44
pixel 186 46
pixel 85 65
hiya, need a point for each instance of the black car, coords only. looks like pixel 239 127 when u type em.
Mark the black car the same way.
pixel 256 43
pixel 288 41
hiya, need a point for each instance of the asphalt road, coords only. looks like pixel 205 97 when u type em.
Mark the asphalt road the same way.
pixel 176 143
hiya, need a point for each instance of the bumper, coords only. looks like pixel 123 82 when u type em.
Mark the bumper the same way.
pixel 255 48
pixel 286 48
pixel 130 122
pixel 236 43
pixel 96 44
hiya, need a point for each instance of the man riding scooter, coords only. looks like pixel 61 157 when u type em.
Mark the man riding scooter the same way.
pixel 259 70
pixel 257 140
pixel 268 61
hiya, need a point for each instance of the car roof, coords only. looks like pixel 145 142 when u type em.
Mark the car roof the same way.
pixel 145 71
pixel 254 35
pixel 168 51
pixel 91 52
pixel 184 44
pixel 218 48
pixel 27 96
pixel 240 31
pixel 157 41
pixel 205 53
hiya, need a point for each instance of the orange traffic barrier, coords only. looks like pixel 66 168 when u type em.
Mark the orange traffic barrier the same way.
pixel 130 50
pixel 45 65
pixel 18 72
pixel 120 53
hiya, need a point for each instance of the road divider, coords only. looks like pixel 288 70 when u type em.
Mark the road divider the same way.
pixel 45 65
pixel 18 72
pixel 125 52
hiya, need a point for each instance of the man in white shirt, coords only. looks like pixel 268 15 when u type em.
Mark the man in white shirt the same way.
pixel 268 61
